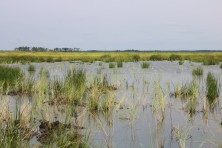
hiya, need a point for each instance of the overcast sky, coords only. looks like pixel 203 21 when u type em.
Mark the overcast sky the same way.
pixel 112 24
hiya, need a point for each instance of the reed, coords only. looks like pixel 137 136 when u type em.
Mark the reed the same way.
pixel 10 77
pixel 145 65
pixel 212 87
pixel 120 64
pixel 112 65
pixel 31 68
pixel 198 71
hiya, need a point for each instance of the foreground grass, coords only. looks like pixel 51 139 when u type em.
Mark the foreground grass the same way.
pixel 9 77
pixel 209 58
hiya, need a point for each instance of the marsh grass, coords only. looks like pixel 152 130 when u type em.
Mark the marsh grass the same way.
pixel 221 65
pixel 10 77
pixel 181 62
pixel 187 90
pixel 28 57
pixel 120 64
pixel 198 71
pixel 31 68
pixel 157 57
pixel 181 135
pixel 159 101
pixel 145 65
pixel 72 89
pixel 101 96
pixel 212 87
pixel 210 60
pixel 112 65
pixel 175 57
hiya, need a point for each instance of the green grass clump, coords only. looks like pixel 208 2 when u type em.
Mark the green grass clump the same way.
pixel 75 85
pixel 106 58
pixel 31 68
pixel 111 65
pixel 210 60
pixel 71 90
pixel 101 96
pixel 198 71
pixel 10 76
pixel 174 57
pixel 120 64
pixel 145 65
pixel 136 57
pixel 212 88
pixel 187 90
pixel 181 62
pixel 156 57
pixel 221 65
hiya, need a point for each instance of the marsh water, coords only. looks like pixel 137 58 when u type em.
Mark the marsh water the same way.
pixel 134 123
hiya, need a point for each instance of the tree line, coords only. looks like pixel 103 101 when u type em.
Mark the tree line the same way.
pixel 42 49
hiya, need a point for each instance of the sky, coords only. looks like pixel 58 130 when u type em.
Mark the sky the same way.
pixel 112 24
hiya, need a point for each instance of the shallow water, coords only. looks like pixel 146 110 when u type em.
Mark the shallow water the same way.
pixel 137 125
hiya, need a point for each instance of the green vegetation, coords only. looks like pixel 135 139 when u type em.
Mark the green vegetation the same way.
pixel 56 110
pixel 198 71
pixel 27 57
pixel 101 97
pixel 187 90
pixel 210 60
pixel 181 62
pixel 157 57
pixel 135 57
pixel 145 65
pixel 31 68
pixel 212 88
pixel 112 65
pixel 174 57
pixel 10 77
pixel 120 64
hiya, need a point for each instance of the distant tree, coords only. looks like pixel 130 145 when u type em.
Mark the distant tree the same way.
pixel 39 49
pixel 23 48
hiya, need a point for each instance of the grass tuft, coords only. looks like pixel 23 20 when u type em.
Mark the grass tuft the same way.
pixel 31 68
pixel 111 65
pixel 120 64
pixel 198 71
pixel 212 88
pixel 145 65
